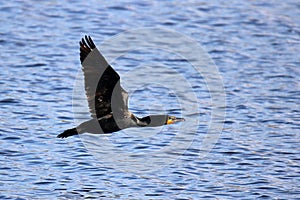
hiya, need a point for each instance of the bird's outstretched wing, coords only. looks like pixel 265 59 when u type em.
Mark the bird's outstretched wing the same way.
pixel 102 82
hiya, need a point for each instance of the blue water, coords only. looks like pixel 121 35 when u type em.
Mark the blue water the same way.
pixel 256 47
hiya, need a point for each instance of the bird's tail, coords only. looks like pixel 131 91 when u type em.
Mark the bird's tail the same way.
pixel 68 133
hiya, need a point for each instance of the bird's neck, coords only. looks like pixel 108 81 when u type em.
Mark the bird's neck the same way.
pixel 152 120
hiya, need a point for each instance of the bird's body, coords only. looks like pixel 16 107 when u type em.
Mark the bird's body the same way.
pixel 107 100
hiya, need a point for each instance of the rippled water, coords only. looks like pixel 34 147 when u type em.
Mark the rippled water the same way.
pixel 256 47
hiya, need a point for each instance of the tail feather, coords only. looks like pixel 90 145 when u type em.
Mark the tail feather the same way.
pixel 68 133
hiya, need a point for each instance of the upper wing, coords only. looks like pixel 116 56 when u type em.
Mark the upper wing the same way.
pixel 102 82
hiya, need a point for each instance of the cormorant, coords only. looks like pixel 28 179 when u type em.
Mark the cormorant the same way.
pixel 107 100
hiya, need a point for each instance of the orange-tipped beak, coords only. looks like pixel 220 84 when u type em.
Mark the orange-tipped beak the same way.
pixel 175 120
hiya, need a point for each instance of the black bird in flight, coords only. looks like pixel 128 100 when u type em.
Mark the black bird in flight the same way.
pixel 107 100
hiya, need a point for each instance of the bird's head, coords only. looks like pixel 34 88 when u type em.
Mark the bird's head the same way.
pixel 172 120
pixel 158 120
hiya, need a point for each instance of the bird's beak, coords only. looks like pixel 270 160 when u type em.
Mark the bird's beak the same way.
pixel 175 120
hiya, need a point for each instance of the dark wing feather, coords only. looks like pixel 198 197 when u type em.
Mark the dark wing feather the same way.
pixel 102 82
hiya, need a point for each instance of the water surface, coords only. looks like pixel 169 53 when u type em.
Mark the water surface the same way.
pixel 256 48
